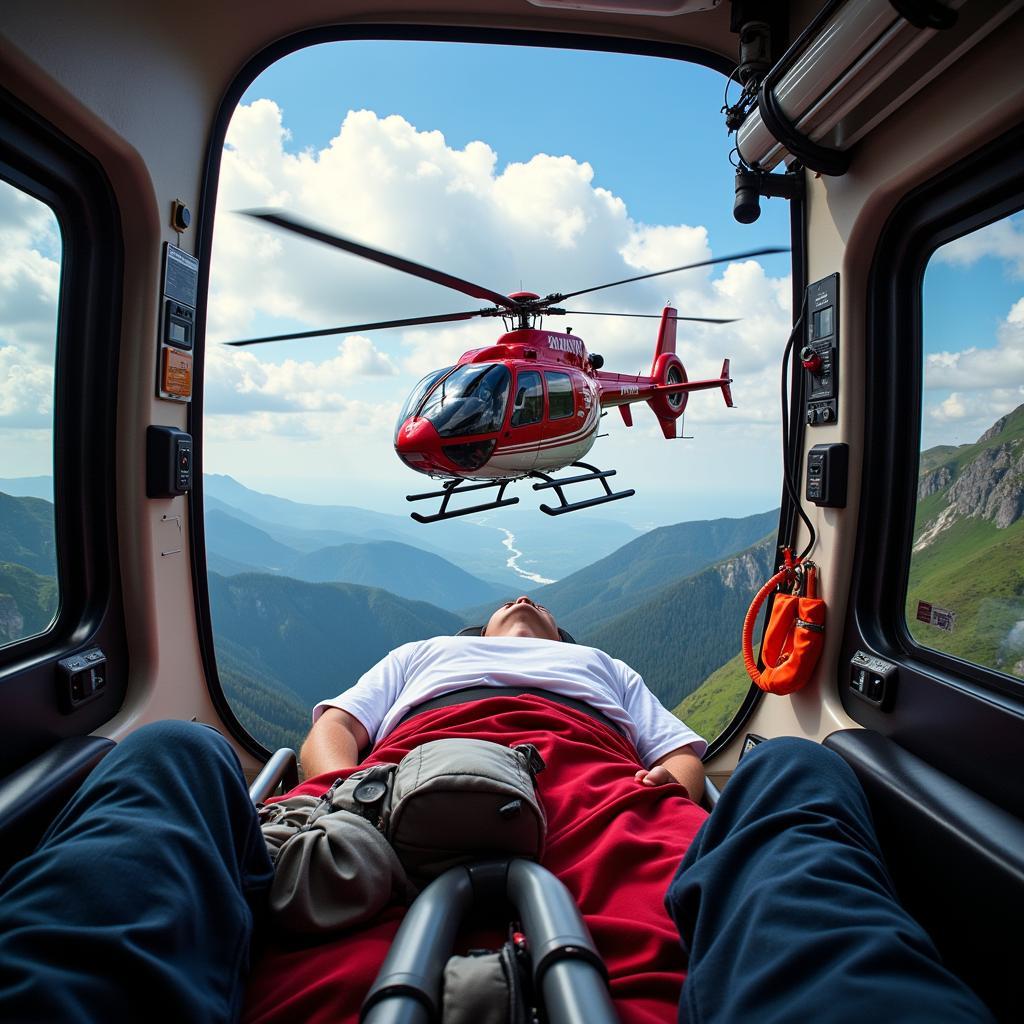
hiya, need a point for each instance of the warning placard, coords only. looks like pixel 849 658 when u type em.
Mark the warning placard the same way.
pixel 935 616
pixel 176 379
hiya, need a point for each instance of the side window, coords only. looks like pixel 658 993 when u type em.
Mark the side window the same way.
pixel 529 403
pixel 561 402
pixel 30 270
pixel 965 595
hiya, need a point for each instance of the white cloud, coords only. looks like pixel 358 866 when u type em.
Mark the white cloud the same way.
pixel 1003 240
pixel 237 380
pixel 29 283
pixel 26 390
pixel 976 368
pixel 540 223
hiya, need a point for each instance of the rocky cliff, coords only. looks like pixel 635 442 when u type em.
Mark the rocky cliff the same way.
pixel 982 480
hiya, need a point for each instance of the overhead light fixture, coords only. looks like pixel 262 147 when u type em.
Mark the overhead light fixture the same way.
pixel 855 64
pixel 657 8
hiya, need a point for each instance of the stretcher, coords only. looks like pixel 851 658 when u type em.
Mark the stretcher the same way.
pixel 613 847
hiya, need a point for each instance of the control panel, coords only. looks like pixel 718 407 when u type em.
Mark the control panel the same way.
pixel 827 466
pixel 168 462
pixel 81 677
pixel 873 679
pixel 820 353
pixel 177 324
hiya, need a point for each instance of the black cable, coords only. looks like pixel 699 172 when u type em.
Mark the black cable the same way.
pixel 787 474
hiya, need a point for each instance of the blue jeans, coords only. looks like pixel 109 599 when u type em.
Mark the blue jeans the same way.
pixel 139 903
pixel 787 913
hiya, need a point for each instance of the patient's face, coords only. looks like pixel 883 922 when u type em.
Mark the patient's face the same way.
pixel 522 617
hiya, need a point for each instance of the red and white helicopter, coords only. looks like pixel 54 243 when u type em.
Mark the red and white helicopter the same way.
pixel 459 423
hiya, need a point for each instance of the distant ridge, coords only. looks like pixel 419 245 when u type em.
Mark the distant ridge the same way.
pixel 684 631
pixel 317 638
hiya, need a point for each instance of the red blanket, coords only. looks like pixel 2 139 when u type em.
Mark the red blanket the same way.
pixel 614 842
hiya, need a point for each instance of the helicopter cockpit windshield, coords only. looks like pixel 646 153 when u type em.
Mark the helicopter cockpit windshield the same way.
pixel 471 400
pixel 416 395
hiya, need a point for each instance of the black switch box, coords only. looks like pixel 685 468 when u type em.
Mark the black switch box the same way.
pixel 81 678
pixel 168 462
pixel 873 679
pixel 827 466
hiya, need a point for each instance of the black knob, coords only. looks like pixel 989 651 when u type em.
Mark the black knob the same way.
pixel 181 216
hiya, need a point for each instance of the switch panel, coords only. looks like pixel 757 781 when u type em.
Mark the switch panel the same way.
pixel 168 462
pixel 81 678
pixel 827 466
pixel 820 353
pixel 873 679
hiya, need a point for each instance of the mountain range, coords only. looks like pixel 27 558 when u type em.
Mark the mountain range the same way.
pixel 965 593
pixel 634 573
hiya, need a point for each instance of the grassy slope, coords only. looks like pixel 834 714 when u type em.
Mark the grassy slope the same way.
pixel 709 709
pixel 973 569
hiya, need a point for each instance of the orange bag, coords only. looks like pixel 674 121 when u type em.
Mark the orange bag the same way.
pixel 795 633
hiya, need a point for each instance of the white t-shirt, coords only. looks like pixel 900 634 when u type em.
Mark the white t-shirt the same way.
pixel 424 669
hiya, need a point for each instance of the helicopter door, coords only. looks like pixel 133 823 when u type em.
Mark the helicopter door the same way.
pixel 526 425
pixel 567 436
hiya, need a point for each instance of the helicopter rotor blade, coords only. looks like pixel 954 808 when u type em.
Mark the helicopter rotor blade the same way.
pixel 293 224
pixel 647 316
pixel 382 325
pixel 562 296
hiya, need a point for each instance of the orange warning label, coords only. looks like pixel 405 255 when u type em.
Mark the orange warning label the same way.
pixel 177 375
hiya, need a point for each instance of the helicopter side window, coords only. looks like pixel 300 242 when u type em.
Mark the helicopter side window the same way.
pixel 561 401
pixel 416 395
pixel 529 404
pixel 471 400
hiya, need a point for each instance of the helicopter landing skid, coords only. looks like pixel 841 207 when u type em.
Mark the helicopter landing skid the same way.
pixel 451 488
pixel 571 506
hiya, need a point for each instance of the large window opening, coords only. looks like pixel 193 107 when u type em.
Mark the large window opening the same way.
pixel 552 171
pixel 965 595
pixel 30 268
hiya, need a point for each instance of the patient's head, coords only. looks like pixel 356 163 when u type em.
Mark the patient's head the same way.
pixel 522 617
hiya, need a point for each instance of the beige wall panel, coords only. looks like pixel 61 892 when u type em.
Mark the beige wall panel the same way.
pixel 973 102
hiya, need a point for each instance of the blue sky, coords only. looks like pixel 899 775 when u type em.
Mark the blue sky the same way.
pixel 650 127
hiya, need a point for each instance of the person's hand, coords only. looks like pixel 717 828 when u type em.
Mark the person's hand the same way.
pixel 659 775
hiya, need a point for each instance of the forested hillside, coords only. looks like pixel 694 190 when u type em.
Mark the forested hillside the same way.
pixel 27 534
pixel 28 602
pixel 711 707
pixel 602 591
pixel 680 635
pixel 316 638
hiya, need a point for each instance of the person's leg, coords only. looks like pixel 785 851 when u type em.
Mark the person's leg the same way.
pixel 138 903
pixel 787 913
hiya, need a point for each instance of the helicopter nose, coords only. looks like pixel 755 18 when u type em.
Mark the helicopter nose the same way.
pixel 414 437
pixel 415 442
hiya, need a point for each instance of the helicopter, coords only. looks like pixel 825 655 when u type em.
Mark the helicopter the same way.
pixel 458 423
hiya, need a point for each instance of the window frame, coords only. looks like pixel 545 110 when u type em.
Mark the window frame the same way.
pixel 962 717
pixel 548 374
pixel 520 373
pixel 204 241
pixel 38 159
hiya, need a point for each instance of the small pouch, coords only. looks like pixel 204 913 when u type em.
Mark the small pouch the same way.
pixel 333 868
pixel 485 988
pixel 460 800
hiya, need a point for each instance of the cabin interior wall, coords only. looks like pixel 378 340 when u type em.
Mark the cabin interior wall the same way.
pixel 139 87
pixel 973 102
